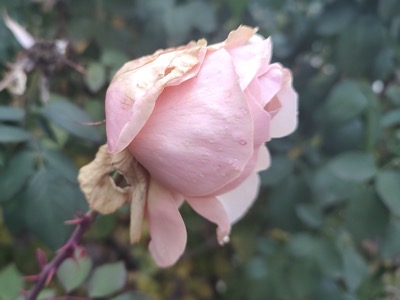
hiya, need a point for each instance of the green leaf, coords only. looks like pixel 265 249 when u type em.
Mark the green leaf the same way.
pixel 390 247
pixel 388 187
pixel 14 114
pixel 131 296
pixel 11 283
pixel 179 20
pixel 58 161
pixel 328 21
pixel 309 214
pixel 202 16
pixel 19 168
pixel 50 200
pixel 328 259
pixel 107 279
pixel 11 134
pixel 388 9
pixel 103 226
pixel 355 165
pixel 384 64
pixel 73 272
pixel 71 117
pixel 346 136
pixel 282 201
pixel 95 76
pixel 329 189
pixel 354 266
pixel 356 48
pixel 393 93
pixel 46 294
pixel 281 167
pixel 391 118
pixel 345 102
pixel 363 207
pixel 256 268
pixel 303 245
pixel 113 58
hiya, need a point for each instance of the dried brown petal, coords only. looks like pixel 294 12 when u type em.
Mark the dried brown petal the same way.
pixel 104 196
pixel 101 192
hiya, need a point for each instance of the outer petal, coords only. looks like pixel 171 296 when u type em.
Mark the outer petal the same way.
pixel 259 161
pixel 263 160
pixel 167 229
pixel 261 119
pixel 249 59
pixel 200 135
pixel 212 209
pixel 240 36
pixel 285 121
pixel 131 97
pixel 238 201
pixel 267 85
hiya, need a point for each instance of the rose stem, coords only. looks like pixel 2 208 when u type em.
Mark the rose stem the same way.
pixel 63 253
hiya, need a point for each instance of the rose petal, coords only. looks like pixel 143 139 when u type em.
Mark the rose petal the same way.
pixel 249 59
pixel 261 120
pixel 240 36
pixel 131 96
pixel 263 159
pixel 266 86
pixel 259 161
pixel 212 210
pixel 285 121
pixel 238 201
pixel 200 135
pixel 167 229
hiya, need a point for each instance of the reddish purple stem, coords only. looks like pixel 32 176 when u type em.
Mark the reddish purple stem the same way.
pixel 66 251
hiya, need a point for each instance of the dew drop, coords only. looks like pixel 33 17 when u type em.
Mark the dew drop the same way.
pixel 225 240
pixel 242 142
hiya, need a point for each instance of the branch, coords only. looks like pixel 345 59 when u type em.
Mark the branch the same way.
pixel 66 251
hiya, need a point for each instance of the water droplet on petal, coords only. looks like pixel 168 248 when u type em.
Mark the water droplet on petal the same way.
pixel 225 240
pixel 242 142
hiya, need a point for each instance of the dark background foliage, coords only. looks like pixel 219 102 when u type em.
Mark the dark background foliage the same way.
pixel 327 221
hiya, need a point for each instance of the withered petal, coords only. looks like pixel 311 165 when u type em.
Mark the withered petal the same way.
pixel 101 192
pixel 104 196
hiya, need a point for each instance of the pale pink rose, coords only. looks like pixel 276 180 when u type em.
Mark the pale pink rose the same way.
pixel 197 119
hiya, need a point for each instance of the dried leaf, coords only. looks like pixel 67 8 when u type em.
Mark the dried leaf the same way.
pixel 23 37
pixel 15 80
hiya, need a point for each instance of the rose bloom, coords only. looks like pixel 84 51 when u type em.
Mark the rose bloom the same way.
pixel 197 118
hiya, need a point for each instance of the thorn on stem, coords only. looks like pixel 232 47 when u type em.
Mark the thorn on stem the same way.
pixel 50 275
pixel 41 258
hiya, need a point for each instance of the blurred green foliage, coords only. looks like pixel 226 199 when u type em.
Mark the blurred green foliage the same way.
pixel 326 224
